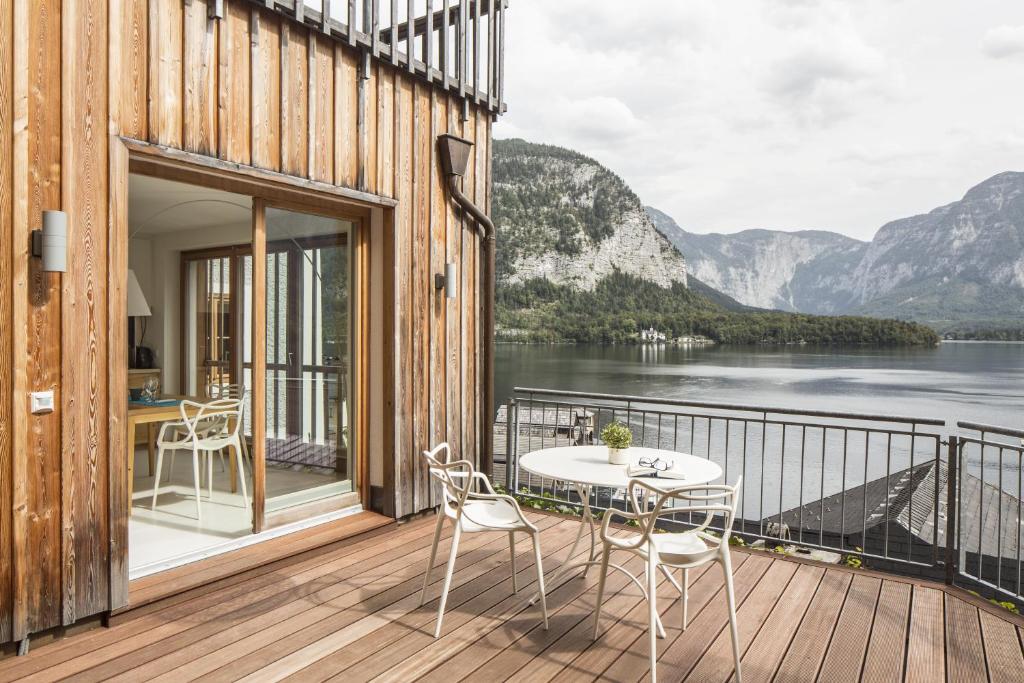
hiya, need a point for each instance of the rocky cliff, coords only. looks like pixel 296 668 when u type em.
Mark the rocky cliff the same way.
pixel 960 262
pixel 564 217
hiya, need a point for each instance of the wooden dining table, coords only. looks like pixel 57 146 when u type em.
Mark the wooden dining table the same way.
pixel 150 415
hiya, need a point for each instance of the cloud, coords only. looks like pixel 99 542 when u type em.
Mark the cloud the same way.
pixel 1003 41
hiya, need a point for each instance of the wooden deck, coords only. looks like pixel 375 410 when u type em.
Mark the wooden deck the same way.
pixel 349 611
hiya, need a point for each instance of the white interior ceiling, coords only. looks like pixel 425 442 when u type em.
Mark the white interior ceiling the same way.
pixel 157 206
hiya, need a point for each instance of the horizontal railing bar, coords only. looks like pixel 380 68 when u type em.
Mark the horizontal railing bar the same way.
pixel 991 429
pixel 752 420
pixel 737 407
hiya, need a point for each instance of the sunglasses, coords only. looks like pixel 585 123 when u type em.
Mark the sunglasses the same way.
pixel 656 463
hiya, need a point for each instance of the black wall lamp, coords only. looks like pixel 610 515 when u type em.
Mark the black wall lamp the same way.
pixel 51 243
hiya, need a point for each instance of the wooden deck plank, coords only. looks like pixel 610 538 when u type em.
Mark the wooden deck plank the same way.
pixel 845 656
pixel 803 660
pixel 1002 648
pixel 679 655
pixel 514 648
pixel 316 627
pixel 350 611
pixel 766 652
pixel 717 662
pixel 328 595
pixel 387 646
pixel 90 651
pixel 884 658
pixel 927 637
pixel 473 634
pixel 594 656
pixel 965 654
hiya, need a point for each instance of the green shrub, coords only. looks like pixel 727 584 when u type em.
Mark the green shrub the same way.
pixel 616 435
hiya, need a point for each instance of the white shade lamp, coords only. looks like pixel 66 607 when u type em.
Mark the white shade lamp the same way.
pixel 138 307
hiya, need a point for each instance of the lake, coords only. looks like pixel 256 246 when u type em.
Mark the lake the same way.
pixel 974 381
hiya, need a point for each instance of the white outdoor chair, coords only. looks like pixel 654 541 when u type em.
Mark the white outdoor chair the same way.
pixel 667 551
pixel 212 427
pixel 219 391
pixel 472 511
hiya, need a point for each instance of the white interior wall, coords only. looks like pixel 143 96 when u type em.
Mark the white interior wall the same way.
pixel 156 260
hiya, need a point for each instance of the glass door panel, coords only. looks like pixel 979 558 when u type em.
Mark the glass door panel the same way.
pixel 308 426
pixel 210 324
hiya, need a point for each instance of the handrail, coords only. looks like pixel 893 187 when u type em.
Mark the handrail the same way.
pixel 901 419
pixel 990 429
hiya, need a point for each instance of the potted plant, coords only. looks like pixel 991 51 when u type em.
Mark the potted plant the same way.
pixel 617 437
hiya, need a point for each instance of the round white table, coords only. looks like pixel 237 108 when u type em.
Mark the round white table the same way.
pixel 587 467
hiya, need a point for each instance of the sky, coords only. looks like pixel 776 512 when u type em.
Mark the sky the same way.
pixel 786 114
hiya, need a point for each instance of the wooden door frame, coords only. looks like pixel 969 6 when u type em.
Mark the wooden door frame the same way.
pixel 126 156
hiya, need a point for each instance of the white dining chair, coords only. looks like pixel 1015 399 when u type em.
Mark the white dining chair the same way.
pixel 219 391
pixel 209 428
pixel 474 511
pixel 667 551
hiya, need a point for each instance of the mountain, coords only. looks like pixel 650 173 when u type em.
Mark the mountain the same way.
pixel 806 271
pixel 960 264
pixel 579 259
pixel 568 219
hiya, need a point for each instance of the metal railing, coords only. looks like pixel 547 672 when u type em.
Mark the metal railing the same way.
pixel 456 45
pixel 989 531
pixel 877 487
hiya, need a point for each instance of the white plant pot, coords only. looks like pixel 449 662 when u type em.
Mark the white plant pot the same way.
pixel 618 456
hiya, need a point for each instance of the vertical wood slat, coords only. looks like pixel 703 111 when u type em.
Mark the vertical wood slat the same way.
pixel 133 22
pixel 322 110
pixel 200 74
pixel 428 42
pixel 453 251
pixel 480 159
pixel 405 448
pixel 294 104
pixel 442 48
pixel 438 258
pixel 369 158
pixel 501 58
pixel 470 247
pixel 259 361
pixel 325 16
pixel 84 325
pixel 410 37
pixel 460 49
pixel 235 86
pixel 386 130
pixel 165 72
pixel 265 35
pixel 492 17
pixel 346 115
pixel 117 352
pixel 476 50
pixel 351 22
pixel 6 301
pixel 36 319
pixel 420 230
pixel 375 28
pixel 393 35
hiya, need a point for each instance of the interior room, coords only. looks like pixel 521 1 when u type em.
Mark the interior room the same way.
pixel 190 312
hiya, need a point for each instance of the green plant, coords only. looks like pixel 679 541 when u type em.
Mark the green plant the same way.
pixel 616 435
pixel 854 561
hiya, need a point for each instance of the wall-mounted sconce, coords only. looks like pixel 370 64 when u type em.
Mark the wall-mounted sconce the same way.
pixel 51 243
pixel 448 281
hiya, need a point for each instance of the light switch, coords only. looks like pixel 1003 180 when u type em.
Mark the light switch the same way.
pixel 42 402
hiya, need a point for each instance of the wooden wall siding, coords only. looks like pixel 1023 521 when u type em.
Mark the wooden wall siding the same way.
pixel 83 309
pixel 165 72
pixel 6 296
pixel 200 70
pixel 74 75
pixel 266 90
pixel 235 87
pixel 294 100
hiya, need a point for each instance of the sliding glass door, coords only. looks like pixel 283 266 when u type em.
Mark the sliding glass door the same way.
pixel 308 407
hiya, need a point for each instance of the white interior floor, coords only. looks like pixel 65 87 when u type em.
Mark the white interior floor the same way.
pixel 170 534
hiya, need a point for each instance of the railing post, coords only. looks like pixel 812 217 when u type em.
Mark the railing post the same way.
pixel 952 508
pixel 515 447
pixel 509 443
